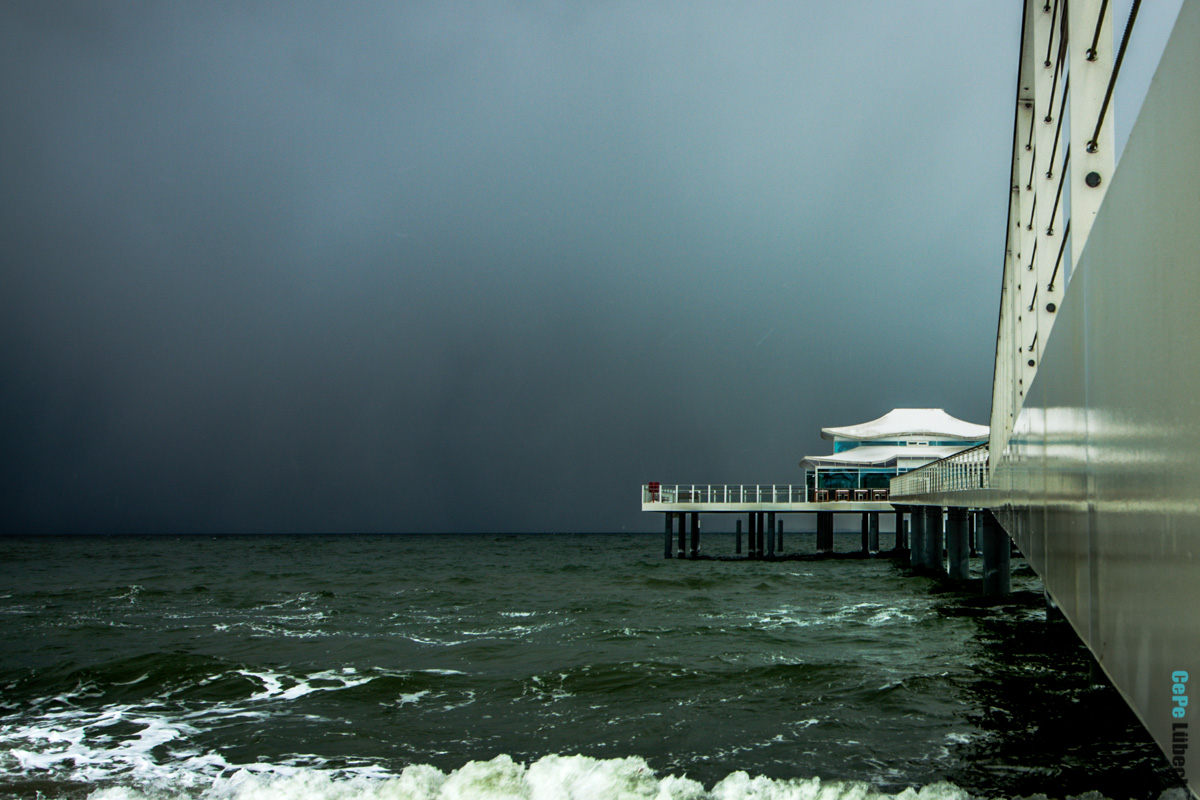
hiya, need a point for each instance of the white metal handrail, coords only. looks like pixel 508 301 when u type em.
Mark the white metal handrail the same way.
pixel 962 471
pixel 741 493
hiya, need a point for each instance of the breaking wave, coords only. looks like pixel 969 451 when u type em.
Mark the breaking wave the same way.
pixel 550 778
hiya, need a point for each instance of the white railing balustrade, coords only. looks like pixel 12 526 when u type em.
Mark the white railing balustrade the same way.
pixel 962 471
pixel 740 493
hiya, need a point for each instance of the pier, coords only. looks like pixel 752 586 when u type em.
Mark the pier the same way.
pixel 1088 463
pixel 930 539
pixel 854 479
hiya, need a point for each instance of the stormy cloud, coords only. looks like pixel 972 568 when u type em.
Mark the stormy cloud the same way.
pixel 480 266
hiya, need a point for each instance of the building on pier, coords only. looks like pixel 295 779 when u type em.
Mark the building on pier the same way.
pixel 867 456
pixel 854 480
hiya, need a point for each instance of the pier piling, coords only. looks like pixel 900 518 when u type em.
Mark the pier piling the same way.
pixel 916 545
pixel 779 534
pixel 737 542
pixel 770 534
pixel 695 534
pixel 997 555
pixel 825 531
pixel 957 549
pixel 934 540
pixel 682 535
pixel 873 532
pixel 667 545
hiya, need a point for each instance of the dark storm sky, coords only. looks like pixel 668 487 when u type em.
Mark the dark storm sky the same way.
pixel 291 266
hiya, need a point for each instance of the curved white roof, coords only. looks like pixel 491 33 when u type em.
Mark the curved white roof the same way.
pixel 901 422
pixel 882 456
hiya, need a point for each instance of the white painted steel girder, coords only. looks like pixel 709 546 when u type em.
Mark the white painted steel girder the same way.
pixel 1061 85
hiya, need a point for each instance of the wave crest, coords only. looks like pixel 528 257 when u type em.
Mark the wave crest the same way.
pixel 553 777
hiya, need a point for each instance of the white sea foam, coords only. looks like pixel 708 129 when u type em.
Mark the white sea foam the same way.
pixel 553 777
pixel 159 761
pixel 412 637
pixel 285 687
pixel 154 744
pixel 71 745
pixel 75 744
pixel 131 593
pixel 414 698
pixel 871 614
pixel 889 616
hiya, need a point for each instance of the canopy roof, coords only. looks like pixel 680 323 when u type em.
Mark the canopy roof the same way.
pixel 882 456
pixel 901 422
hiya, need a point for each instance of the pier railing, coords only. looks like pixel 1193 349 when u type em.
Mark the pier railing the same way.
pixel 725 493
pixel 963 471
pixel 722 493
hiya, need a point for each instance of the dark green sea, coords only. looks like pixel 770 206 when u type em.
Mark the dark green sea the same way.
pixel 534 666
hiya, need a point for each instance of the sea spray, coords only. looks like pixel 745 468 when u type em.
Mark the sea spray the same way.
pixel 553 777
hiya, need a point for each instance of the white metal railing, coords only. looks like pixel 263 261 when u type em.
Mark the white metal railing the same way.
pixel 962 471
pixel 726 493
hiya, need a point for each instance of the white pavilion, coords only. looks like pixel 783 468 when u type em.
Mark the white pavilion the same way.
pixel 867 456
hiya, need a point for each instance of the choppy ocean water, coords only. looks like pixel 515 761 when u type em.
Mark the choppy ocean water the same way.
pixel 536 666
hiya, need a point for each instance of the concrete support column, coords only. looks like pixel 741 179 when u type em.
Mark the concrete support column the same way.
pixel 752 547
pixel 682 552
pixel 997 555
pixel 667 550
pixel 900 545
pixel 934 540
pixel 695 534
pixel 916 543
pixel 770 534
pixel 957 547
pixel 825 531
pixel 973 533
pixel 873 532
pixel 866 532
pixel 762 533
pixel 779 533
pixel 737 546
